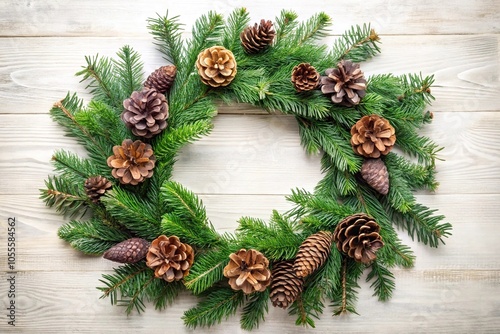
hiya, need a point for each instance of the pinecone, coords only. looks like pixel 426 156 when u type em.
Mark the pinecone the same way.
pixel 95 187
pixel 285 285
pixel 129 251
pixel 345 84
pixel 145 112
pixel 313 253
pixel 374 172
pixel 132 162
pixel 248 270
pixel 257 38
pixel 216 66
pixel 162 78
pixel 358 236
pixel 305 77
pixel 170 258
pixel 372 136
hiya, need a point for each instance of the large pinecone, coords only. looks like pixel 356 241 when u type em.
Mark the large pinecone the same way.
pixel 286 286
pixel 305 77
pixel 372 136
pixel 358 236
pixel 248 270
pixel 313 253
pixel 128 251
pixel 345 84
pixel 374 172
pixel 132 162
pixel 96 186
pixel 216 66
pixel 170 258
pixel 145 112
pixel 257 38
pixel 162 78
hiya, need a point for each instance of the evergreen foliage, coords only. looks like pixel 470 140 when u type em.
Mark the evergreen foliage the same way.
pixel 162 206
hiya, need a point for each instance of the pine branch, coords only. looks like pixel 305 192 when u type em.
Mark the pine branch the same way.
pixel 218 305
pixel 91 237
pixel 167 35
pixel 255 310
pixel 346 295
pixel 284 24
pixel 163 294
pixel 335 183
pixel 383 283
pixel 236 23
pixel 357 44
pixel 66 197
pixel 416 176
pixel 129 69
pixel 73 168
pixel 313 29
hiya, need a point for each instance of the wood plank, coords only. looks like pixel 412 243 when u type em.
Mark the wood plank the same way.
pixel 120 18
pixel 474 220
pixel 36 72
pixel 260 154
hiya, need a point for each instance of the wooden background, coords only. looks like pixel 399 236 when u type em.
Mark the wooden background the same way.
pixel 251 160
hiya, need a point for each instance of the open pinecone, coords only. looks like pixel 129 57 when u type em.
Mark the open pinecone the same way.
pixel 248 270
pixel 129 251
pixel 145 112
pixel 216 66
pixel 162 78
pixel 372 136
pixel 132 162
pixel 305 77
pixel 358 236
pixel 257 38
pixel 96 186
pixel 170 258
pixel 345 84
pixel 285 285
pixel 313 253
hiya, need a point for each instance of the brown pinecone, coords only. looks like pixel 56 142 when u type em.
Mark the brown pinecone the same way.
pixel 216 66
pixel 128 251
pixel 257 38
pixel 96 186
pixel 313 253
pixel 305 77
pixel 358 236
pixel 374 172
pixel 145 112
pixel 132 162
pixel 170 258
pixel 372 136
pixel 248 270
pixel 162 78
pixel 285 285
pixel 345 84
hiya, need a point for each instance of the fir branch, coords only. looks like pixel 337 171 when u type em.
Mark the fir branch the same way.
pixel 346 295
pixel 218 305
pixel 383 283
pixel 416 176
pixel 313 29
pixel 417 86
pixel 357 44
pixel 335 183
pixel 163 294
pixel 284 24
pixel 167 35
pixel 255 310
pixel 66 197
pixel 73 168
pixel 400 195
pixel 236 23
pixel 129 69
pixel 91 237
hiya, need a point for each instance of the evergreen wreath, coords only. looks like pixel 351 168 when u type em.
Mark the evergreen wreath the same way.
pixel 316 252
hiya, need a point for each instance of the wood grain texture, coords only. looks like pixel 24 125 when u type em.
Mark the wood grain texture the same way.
pixel 451 289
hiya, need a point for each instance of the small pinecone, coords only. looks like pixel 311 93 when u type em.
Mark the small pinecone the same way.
pixel 216 66
pixel 132 162
pixel 96 186
pixel 162 78
pixel 358 236
pixel 248 270
pixel 257 38
pixel 374 172
pixel 305 77
pixel 285 285
pixel 128 251
pixel 345 84
pixel 170 258
pixel 372 136
pixel 313 253
pixel 146 112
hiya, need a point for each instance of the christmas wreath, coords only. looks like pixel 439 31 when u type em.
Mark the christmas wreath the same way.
pixel 125 206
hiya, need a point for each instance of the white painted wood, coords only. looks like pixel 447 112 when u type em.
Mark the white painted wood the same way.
pixel 452 289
